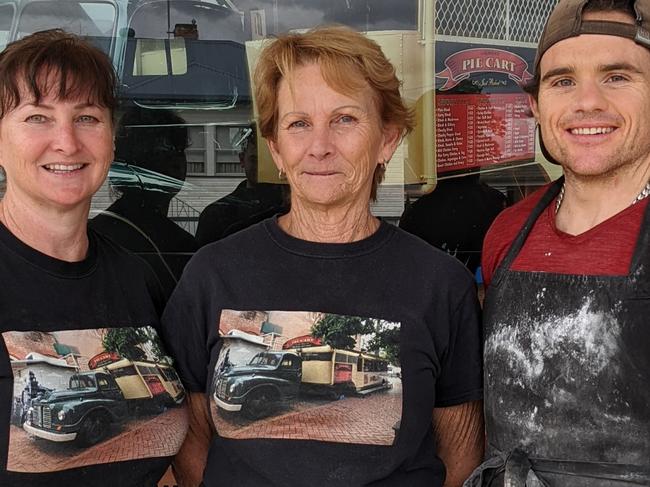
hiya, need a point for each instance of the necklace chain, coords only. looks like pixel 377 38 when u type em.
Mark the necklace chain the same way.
pixel 645 192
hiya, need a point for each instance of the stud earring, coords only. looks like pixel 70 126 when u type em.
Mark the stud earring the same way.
pixel 282 175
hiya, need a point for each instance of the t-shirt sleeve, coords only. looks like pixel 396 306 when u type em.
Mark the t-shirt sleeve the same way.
pixel 461 378
pixel 184 327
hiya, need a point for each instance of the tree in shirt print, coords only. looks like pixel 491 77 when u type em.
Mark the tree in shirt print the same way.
pixel 85 397
pixel 307 376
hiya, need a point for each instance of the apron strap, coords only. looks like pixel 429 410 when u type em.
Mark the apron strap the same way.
pixel 518 243
pixel 517 468
pixel 635 475
pixel 519 471
pixel 641 257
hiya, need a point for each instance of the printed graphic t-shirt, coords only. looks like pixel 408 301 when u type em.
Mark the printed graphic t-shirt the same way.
pixel 323 363
pixel 88 395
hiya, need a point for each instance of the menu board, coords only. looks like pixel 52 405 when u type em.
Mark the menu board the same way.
pixel 482 113
pixel 477 130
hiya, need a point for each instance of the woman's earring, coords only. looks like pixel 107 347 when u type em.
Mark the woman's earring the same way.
pixel 282 175
pixel 382 165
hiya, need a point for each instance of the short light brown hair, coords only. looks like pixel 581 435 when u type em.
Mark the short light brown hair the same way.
pixel 341 54
pixel 55 59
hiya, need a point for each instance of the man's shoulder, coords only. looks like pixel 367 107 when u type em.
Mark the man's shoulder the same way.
pixel 504 230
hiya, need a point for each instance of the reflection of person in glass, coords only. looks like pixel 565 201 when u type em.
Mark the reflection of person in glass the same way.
pixel 455 217
pixel 149 171
pixel 57 96
pixel 331 112
pixel 567 269
pixel 251 202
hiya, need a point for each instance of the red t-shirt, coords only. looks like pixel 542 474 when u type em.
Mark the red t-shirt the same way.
pixel 604 250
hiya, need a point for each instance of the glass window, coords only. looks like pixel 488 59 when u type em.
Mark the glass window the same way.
pixel 6 18
pixel 288 363
pixel 171 59
pixel 196 152
pixel 82 382
pixel 127 371
pixel 93 20
pixel 190 167
pixel 320 357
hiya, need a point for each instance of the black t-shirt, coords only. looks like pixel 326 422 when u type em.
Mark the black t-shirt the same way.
pixel 323 362
pixel 87 393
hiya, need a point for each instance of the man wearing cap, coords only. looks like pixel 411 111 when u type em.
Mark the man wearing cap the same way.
pixel 567 311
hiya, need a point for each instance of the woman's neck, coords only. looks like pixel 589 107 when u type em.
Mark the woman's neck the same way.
pixel 329 225
pixel 59 234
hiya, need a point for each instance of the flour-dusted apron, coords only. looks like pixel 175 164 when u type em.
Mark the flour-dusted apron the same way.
pixel 567 373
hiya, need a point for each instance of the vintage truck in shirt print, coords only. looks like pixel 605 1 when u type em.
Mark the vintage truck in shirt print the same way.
pixel 89 391
pixel 108 394
pixel 305 375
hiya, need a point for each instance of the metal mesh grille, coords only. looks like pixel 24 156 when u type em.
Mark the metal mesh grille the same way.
pixel 508 20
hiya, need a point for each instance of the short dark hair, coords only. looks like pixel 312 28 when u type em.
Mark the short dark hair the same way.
pixel 623 6
pixel 52 59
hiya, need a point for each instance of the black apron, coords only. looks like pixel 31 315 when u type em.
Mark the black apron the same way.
pixel 567 373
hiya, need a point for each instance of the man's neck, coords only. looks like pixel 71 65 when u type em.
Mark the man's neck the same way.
pixel 61 235
pixel 587 202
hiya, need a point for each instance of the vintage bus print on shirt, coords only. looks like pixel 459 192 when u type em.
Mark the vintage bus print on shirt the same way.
pixel 307 376
pixel 84 397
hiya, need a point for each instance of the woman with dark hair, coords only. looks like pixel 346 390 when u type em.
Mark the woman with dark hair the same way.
pixel 75 308
pixel 353 348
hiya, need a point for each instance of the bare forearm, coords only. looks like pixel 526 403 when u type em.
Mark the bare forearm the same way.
pixel 190 461
pixel 460 436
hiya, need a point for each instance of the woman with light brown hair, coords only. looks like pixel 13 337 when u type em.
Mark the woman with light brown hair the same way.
pixel 334 348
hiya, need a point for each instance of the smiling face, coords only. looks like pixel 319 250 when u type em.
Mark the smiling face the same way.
pixel 593 102
pixel 56 153
pixel 328 143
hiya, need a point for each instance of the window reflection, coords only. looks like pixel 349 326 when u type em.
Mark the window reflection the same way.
pixel 6 17
pixel 455 217
pixel 149 170
pixel 252 201
pixel 93 20
pixel 184 70
pixel 171 56
pixel 364 15
pixel 151 57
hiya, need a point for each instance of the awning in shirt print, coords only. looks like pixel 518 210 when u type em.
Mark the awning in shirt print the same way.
pixel 307 376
